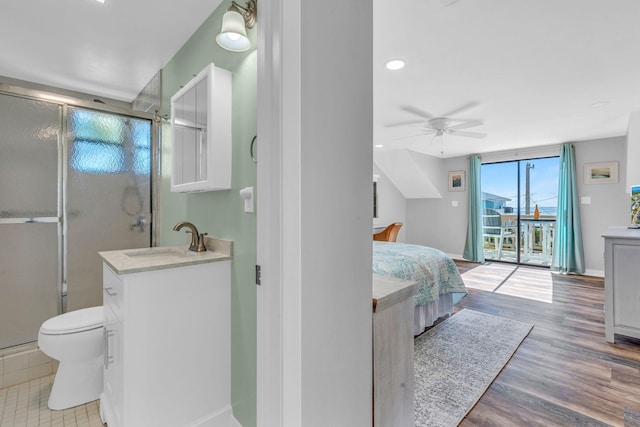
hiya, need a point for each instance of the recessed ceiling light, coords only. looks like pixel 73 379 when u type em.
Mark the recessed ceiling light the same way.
pixel 379 145
pixel 101 1
pixel 395 64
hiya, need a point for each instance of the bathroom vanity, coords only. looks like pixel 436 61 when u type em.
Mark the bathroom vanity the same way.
pixel 167 336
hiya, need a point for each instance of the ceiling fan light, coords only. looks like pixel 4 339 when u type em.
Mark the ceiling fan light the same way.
pixel 233 34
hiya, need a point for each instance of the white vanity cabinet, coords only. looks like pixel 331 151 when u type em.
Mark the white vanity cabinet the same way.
pixel 201 133
pixel 621 283
pixel 167 341
pixel 112 378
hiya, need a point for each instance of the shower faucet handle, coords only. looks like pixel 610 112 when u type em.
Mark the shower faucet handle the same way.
pixel 140 222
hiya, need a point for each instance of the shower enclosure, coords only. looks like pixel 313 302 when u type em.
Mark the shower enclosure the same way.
pixel 74 180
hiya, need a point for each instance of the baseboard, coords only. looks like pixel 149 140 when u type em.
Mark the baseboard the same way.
pixel 594 273
pixel 456 256
pixel 222 418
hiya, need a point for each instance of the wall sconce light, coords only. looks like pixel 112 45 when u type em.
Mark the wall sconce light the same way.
pixel 235 21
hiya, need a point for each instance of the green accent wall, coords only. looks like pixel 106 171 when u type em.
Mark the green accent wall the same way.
pixel 221 213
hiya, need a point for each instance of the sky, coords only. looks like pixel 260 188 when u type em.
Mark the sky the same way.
pixel 502 179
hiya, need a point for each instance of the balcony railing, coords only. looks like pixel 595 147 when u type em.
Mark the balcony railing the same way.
pixel 535 239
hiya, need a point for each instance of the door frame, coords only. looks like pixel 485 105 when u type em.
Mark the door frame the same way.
pixel 547 155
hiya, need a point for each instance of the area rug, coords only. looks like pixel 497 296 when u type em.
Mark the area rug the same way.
pixel 457 360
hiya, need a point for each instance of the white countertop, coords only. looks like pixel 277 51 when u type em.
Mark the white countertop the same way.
pixel 388 291
pixel 622 232
pixel 128 261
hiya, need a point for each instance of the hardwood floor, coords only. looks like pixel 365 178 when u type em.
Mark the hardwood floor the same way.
pixel 564 373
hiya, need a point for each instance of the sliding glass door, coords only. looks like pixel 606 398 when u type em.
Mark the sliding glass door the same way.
pixel 73 182
pixel 519 210
pixel 30 217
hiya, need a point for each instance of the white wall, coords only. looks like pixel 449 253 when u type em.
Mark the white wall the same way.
pixel 315 121
pixel 434 222
pixel 412 173
pixel 336 164
pixel 610 203
pixel 633 150
pixel 391 204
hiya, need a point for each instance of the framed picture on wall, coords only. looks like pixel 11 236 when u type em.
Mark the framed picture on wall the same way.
pixel 457 181
pixel 601 173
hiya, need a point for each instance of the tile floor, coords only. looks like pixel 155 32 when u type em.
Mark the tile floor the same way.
pixel 25 405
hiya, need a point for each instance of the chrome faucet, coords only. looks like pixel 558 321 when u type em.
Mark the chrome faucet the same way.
pixel 197 239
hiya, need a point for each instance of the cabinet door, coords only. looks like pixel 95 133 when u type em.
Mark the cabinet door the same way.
pixel 113 364
pixel 626 290
pixel 201 132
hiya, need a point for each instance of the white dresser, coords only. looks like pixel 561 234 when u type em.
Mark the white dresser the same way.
pixel 621 282
pixel 393 390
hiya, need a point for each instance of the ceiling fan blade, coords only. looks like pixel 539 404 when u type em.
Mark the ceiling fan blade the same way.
pixel 461 109
pixel 468 134
pixel 410 136
pixel 466 125
pixel 417 112
pixel 402 124
pixel 425 128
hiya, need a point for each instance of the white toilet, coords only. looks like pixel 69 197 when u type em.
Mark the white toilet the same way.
pixel 74 339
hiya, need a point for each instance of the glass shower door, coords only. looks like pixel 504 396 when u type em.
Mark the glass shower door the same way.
pixel 108 203
pixel 30 217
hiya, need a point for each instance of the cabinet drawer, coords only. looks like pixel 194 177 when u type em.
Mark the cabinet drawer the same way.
pixel 113 290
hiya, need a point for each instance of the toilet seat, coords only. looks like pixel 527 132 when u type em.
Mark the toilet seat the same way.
pixel 73 322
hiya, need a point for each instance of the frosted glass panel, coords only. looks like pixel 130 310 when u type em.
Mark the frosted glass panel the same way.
pixel 29 132
pixel 29 294
pixel 30 270
pixel 108 198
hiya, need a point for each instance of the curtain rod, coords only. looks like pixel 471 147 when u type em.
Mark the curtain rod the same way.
pixel 550 150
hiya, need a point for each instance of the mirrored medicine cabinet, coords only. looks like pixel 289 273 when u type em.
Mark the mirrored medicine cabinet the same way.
pixel 201 133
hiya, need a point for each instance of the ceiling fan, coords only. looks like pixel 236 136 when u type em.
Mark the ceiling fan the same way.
pixel 439 126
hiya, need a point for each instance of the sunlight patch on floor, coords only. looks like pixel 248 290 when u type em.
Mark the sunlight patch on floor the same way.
pixel 523 282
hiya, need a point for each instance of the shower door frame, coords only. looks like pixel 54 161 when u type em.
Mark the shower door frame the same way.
pixel 66 101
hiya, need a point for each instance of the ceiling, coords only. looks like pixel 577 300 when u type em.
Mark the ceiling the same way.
pixel 110 50
pixel 534 72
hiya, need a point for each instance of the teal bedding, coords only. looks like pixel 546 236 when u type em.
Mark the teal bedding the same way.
pixel 435 271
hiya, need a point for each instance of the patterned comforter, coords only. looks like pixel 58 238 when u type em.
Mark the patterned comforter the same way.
pixel 435 271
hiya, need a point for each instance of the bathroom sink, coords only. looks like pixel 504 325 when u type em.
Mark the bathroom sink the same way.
pixel 161 253
pixel 125 261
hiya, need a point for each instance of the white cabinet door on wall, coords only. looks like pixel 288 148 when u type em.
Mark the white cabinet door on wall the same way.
pixel 201 131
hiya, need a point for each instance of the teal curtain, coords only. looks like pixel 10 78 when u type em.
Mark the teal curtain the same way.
pixel 568 256
pixel 473 248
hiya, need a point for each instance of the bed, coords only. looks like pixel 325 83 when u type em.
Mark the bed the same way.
pixel 440 285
